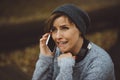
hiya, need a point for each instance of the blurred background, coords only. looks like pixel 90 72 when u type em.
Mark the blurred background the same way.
pixel 22 24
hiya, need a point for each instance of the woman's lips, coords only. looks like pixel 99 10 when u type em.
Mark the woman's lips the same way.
pixel 62 43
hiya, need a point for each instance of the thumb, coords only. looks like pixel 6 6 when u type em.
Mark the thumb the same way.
pixel 74 57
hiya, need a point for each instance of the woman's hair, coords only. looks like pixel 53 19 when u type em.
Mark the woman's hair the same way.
pixel 51 19
pixel 78 16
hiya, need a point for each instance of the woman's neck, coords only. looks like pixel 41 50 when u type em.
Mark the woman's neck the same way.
pixel 78 46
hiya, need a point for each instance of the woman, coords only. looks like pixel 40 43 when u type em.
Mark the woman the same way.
pixel 75 57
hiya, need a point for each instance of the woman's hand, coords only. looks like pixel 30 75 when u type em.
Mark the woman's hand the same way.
pixel 43 47
pixel 66 60
pixel 65 55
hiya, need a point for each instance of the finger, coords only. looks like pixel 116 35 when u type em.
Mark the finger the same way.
pixel 74 57
pixel 68 53
pixel 42 42
pixel 45 35
pixel 44 38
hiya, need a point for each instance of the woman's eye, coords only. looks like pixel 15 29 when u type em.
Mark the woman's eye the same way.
pixel 65 28
pixel 53 29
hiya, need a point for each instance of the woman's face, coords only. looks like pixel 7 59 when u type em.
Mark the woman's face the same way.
pixel 66 35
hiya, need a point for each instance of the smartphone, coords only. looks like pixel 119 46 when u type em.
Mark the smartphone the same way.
pixel 50 43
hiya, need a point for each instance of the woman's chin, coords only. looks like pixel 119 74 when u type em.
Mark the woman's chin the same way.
pixel 64 50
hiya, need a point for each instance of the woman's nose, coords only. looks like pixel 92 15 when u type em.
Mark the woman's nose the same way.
pixel 58 35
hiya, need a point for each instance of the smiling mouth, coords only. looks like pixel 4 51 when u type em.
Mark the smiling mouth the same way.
pixel 62 43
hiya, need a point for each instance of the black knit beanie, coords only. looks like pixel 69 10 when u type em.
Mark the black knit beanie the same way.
pixel 78 16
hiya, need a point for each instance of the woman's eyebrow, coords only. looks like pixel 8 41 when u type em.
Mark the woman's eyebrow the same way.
pixel 64 25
